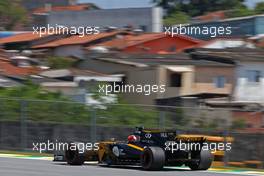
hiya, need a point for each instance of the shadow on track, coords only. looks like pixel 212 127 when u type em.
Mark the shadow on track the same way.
pixel 167 169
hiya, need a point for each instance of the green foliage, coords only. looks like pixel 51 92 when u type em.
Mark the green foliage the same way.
pixel 240 12
pixel 198 7
pixel 30 90
pixel 176 18
pixel 180 11
pixel 57 62
pixel 127 115
pixel 42 106
pixel 259 9
pixel 239 124
pixel 11 13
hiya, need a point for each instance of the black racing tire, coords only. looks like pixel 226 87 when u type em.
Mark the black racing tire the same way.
pixel 153 158
pixel 74 157
pixel 204 162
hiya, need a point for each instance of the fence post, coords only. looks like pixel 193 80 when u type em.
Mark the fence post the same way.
pixel 226 157
pixel 1 124
pixel 93 125
pixel 23 124
pixel 162 119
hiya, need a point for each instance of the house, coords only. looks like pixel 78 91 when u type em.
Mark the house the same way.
pixel 17 67
pixel 26 40
pixel 249 71
pixel 77 84
pixel 180 75
pixel 74 45
pixel 149 43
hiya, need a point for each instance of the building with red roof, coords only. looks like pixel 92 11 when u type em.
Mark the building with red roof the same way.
pixel 74 45
pixel 10 67
pixel 26 40
pixel 151 43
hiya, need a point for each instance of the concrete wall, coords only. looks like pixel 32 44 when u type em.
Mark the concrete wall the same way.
pixel 151 18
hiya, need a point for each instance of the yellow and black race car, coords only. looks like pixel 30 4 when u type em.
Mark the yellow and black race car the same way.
pixel 151 149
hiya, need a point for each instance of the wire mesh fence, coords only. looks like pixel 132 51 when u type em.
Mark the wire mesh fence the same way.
pixel 23 122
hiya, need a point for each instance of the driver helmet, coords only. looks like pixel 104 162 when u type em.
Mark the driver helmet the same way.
pixel 132 138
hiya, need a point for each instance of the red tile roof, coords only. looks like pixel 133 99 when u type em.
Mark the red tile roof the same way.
pixel 77 40
pixel 6 68
pixel 131 40
pixel 23 37
pixel 78 7
pixel 218 15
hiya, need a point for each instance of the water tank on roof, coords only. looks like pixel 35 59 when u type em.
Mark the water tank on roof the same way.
pixel 99 49
pixel 26 52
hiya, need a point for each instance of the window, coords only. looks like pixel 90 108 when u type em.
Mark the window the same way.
pixel 176 80
pixel 253 75
pixel 219 81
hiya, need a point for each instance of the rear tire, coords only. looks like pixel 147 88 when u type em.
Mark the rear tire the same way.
pixel 74 157
pixel 204 162
pixel 153 158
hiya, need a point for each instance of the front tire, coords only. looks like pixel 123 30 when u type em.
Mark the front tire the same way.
pixel 153 158
pixel 204 161
pixel 74 157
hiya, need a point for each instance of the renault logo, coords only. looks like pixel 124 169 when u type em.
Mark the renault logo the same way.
pixel 148 135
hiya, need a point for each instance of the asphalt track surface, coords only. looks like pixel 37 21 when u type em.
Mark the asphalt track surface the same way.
pixel 30 167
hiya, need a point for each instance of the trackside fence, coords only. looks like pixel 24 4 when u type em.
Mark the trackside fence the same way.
pixel 24 122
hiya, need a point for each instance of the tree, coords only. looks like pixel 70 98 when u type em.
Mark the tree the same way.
pixel 239 12
pixel 176 18
pixel 11 13
pixel 57 62
pixel 198 7
pixel 259 9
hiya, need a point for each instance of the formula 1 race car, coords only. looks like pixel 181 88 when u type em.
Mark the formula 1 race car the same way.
pixel 151 149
